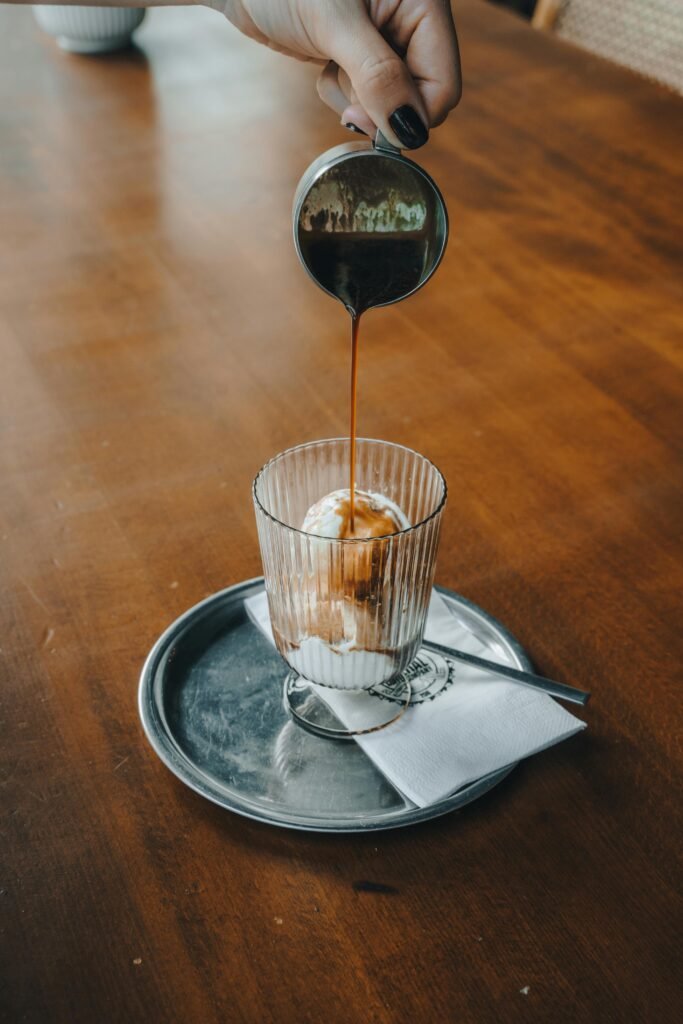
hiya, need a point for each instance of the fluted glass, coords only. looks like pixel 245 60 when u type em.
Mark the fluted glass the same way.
pixel 348 613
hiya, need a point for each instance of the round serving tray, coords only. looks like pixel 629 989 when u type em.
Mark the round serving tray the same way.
pixel 211 704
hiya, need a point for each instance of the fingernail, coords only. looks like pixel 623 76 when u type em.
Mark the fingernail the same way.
pixel 354 128
pixel 408 127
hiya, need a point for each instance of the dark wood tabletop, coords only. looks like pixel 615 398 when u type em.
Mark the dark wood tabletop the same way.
pixel 159 341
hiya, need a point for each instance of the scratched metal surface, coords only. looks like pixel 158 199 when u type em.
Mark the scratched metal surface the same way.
pixel 211 704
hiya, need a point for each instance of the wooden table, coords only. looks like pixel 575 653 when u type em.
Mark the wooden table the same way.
pixel 159 341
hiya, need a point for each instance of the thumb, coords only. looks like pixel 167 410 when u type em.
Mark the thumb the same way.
pixel 381 81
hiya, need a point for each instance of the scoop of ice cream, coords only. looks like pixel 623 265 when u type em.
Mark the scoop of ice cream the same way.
pixel 344 605
pixel 374 515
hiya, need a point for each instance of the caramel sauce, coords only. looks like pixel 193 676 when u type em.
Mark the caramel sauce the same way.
pixel 355 324
pixel 363 270
pixel 361 519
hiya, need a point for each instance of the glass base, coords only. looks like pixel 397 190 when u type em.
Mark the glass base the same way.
pixel 308 710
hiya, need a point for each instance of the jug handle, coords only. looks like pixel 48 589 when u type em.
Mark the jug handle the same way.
pixel 383 144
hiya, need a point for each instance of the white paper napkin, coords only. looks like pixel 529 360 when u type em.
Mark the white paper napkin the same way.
pixel 474 726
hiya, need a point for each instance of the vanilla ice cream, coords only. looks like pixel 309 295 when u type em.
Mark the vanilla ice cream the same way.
pixel 342 641
pixel 374 516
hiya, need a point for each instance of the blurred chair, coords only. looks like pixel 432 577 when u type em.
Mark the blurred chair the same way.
pixel 646 35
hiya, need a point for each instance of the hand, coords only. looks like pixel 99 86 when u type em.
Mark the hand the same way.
pixel 389 64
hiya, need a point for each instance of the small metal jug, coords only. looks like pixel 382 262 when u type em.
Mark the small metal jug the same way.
pixel 370 226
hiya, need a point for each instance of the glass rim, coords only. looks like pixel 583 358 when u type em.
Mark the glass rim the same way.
pixel 348 540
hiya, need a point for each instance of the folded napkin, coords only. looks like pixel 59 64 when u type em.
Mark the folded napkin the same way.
pixel 473 725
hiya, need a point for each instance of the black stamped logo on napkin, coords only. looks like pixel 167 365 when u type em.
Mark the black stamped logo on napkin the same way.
pixel 429 676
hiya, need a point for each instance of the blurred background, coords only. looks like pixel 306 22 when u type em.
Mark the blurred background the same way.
pixel 644 35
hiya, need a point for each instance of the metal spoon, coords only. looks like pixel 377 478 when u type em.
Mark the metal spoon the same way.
pixel 560 690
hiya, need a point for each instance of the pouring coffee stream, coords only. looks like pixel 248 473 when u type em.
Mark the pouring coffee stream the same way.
pixel 370 227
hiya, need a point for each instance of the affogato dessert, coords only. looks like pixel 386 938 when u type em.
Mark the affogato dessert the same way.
pixel 341 614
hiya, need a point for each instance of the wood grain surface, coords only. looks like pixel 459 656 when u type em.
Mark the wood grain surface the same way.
pixel 159 341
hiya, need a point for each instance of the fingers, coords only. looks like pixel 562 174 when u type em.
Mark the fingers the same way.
pixel 375 88
pixel 355 116
pixel 329 89
pixel 381 81
pixel 354 113
pixel 433 59
pixel 334 89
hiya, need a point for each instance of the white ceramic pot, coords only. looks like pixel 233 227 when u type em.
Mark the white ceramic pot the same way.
pixel 89 29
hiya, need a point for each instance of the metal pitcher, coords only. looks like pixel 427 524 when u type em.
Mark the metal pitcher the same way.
pixel 370 226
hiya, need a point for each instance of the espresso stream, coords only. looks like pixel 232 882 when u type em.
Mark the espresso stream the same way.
pixel 364 270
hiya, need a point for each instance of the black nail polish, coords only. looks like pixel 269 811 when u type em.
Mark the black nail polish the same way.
pixel 408 127
pixel 354 128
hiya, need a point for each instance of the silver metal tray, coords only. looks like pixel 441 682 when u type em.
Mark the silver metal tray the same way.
pixel 211 705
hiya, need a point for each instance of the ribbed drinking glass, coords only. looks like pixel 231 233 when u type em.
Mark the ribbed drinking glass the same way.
pixel 348 613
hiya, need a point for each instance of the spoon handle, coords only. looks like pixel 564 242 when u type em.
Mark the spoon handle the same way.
pixel 560 690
